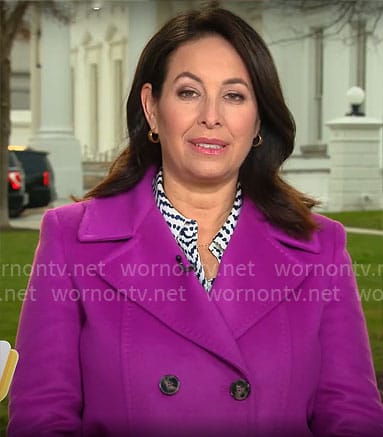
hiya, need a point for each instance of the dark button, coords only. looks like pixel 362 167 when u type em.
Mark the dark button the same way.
pixel 169 385
pixel 240 389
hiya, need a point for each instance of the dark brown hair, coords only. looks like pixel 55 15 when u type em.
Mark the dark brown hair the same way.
pixel 259 174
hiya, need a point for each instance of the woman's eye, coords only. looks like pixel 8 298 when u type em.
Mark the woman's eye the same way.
pixel 235 97
pixel 187 94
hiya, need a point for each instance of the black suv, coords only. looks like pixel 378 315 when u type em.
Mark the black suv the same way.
pixel 39 176
pixel 17 197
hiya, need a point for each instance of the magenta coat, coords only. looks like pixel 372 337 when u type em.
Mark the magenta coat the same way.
pixel 111 312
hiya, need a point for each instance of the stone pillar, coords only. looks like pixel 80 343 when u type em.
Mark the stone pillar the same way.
pixel 56 130
pixel 356 180
pixel 142 26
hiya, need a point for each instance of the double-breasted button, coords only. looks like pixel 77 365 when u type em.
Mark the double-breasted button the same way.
pixel 240 389
pixel 169 385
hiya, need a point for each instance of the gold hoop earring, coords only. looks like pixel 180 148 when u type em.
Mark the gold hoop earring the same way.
pixel 258 141
pixel 153 137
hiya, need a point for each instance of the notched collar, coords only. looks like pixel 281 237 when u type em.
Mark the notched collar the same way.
pixel 312 245
pixel 280 237
pixel 118 217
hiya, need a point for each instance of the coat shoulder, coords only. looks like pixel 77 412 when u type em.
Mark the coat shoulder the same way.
pixel 329 233
pixel 329 230
pixel 66 216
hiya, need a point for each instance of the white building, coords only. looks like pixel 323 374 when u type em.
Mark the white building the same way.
pixel 319 57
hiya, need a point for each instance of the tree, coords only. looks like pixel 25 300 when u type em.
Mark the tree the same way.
pixel 342 13
pixel 11 18
pixel 12 14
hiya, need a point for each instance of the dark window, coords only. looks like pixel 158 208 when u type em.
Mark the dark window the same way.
pixel 33 162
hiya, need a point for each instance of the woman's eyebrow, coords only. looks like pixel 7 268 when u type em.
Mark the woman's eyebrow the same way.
pixel 231 81
pixel 236 80
pixel 189 75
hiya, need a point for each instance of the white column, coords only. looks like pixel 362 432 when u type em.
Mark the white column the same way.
pixel 56 131
pixel 35 70
pixel 142 26
pixel 356 179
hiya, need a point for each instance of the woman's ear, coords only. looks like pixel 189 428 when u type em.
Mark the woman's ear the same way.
pixel 148 105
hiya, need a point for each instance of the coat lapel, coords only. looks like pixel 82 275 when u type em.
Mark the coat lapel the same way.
pixel 142 265
pixel 174 297
pixel 259 270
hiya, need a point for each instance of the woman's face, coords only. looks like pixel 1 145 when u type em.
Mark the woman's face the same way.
pixel 206 116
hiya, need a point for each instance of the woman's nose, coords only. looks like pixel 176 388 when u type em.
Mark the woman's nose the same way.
pixel 210 115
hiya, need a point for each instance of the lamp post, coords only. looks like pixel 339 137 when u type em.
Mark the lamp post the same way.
pixel 355 97
pixel 97 5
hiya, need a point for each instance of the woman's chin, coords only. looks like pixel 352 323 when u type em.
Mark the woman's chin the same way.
pixel 211 175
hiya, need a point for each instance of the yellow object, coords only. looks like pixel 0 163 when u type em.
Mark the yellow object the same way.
pixel 7 373
pixel 17 148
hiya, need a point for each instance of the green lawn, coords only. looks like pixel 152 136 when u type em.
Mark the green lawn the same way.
pixel 16 253
pixel 359 219
pixel 367 256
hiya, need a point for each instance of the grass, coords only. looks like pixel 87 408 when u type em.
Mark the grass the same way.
pixel 17 248
pixel 367 255
pixel 359 219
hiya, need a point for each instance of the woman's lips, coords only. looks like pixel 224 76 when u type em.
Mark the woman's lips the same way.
pixel 210 146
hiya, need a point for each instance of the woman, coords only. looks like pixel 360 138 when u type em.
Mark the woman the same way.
pixel 190 294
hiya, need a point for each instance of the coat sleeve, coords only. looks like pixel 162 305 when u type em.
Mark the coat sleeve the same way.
pixel 46 395
pixel 347 400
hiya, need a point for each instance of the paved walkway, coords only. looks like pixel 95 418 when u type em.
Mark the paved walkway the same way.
pixel 31 219
pixel 364 231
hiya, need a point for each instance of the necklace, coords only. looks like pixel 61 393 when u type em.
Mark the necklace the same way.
pixel 206 245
